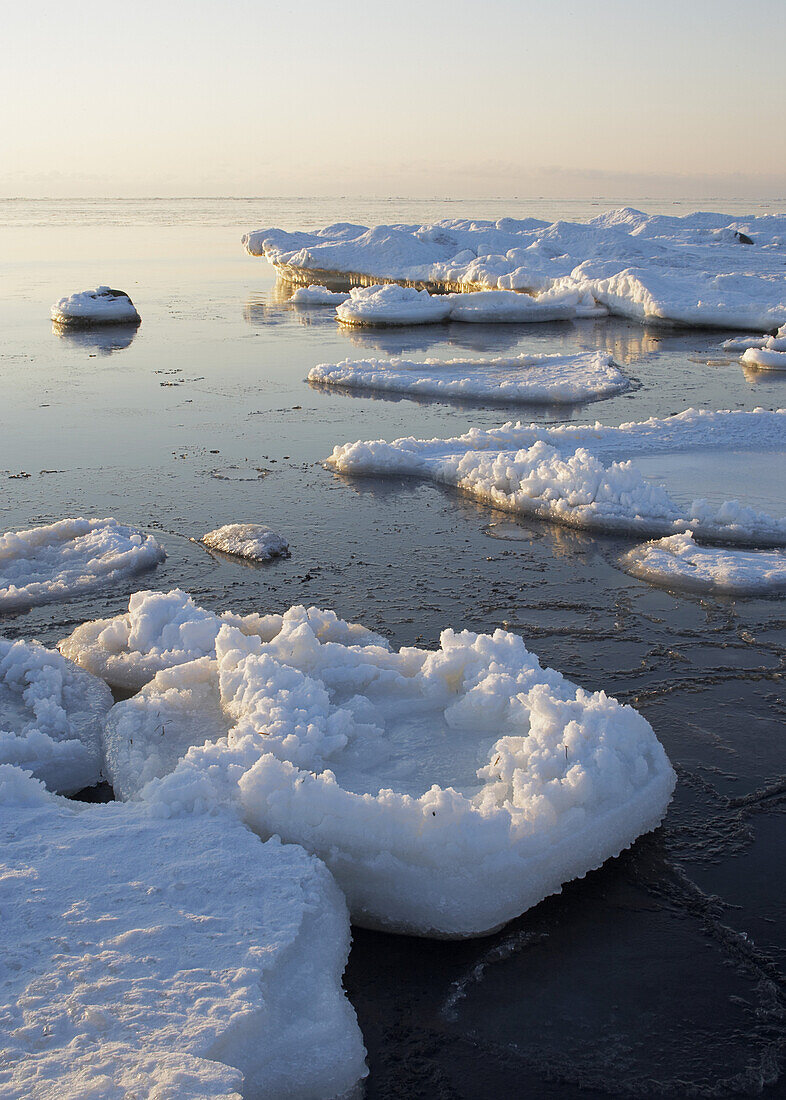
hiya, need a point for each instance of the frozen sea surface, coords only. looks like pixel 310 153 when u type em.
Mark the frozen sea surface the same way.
pixel 663 973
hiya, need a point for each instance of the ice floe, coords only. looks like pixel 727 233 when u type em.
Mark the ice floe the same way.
pixel 551 473
pixel 694 270
pixel 765 352
pixel 678 562
pixel 70 557
pixel 51 716
pixel 393 305
pixel 254 541
pixel 166 958
pixel 448 790
pixel 314 295
pixel 557 379
pixel 164 629
pixel 101 306
pixel 495 306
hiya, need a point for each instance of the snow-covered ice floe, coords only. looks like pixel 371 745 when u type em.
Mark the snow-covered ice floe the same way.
pixel 164 629
pixel 166 958
pixel 678 562
pixel 51 716
pixel 557 379
pixel 68 558
pixel 552 474
pixel 315 295
pixel 695 270
pixel 102 306
pixel 254 541
pixel 393 305
pixel 448 790
pixel 765 352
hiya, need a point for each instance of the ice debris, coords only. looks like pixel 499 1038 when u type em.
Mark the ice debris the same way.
pixel 679 562
pixel 70 557
pixel 177 958
pixel 766 352
pixel 254 541
pixel 51 716
pixel 393 305
pixel 101 306
pixel 448 790
pixel 550 379
pixel 314 295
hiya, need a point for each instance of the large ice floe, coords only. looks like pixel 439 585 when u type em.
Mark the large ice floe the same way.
pixel 164 629
pixel 561 474
pixel 51 716
pixel 70 557
pixel 695 270
pixel 678 562
pixel 553 379
pixel 102 306
pixel 254 541
pixel 448 790
pixel 172 958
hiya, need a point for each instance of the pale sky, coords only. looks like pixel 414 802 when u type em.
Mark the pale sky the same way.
pixel 430 98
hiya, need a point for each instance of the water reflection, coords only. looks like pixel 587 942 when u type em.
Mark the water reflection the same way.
pixel 101 340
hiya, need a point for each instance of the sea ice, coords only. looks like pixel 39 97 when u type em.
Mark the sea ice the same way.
pixel 51 716
pixel 254 541
pixel 101 306
pixel 495 306
pixel 166 958
pixel 765 352
pixel 678 562
pixel 164 629
pixel 393 305
pixel 447 790
pixel 315 295
pixel 67 558
pixel 551 379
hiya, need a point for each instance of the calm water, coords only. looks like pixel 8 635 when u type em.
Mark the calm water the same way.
pixel 663 973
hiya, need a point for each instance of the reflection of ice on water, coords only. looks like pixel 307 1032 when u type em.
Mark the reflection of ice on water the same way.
pixel 103 339
pixel 754 478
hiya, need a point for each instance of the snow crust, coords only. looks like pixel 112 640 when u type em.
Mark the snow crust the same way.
pixel 51 716
pixel 553 379
pixel 678 562
pixel 314 295
pixel 164 629
pixel 254 541
pixel 101 306
pixel 447 790
pixel 69 557
pixel 393 305
pixel 165 959
pixel 693 270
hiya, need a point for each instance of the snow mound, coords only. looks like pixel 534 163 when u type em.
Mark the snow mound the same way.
pixel 556 379
pixel 101 306
pixel 694 270
pixel 447 790
pixel 164 629
pixel 68 558
pixel 254 541
pixel 177 958
pixel 541 472
pixel 678 562
pixel 393 305
pixel 51 716
pixel 314 295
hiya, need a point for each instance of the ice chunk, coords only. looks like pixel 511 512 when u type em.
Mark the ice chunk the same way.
pixel 678 562
pixel 766 358
pixel 448 790
pixel 51 716
pixel 177 958
pixel 494 306
pixel 101 306
pixel 254 541
pixel 314 295
pixel 393 305
pixel 68 558
pixel 164 629
pixel 529 378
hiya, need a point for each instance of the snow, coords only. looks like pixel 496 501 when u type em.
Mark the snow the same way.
pixel 678 562
pixel 692 270
pixel 51 716
pixel 530 378
pixel 314 295
pixel 551 473
pixel 392 305
pixel 101 306
pixel 70 557
pixel 166 959
pixel 164 629
pixel 448 790
pixel 765 352
pixel 254 541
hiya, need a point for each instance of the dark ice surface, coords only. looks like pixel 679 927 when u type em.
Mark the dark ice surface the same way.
pixel 661 974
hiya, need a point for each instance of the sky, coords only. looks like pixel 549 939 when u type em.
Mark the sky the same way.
pixel 681 98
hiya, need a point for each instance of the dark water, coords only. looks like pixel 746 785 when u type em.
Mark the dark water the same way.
pixel 663 973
